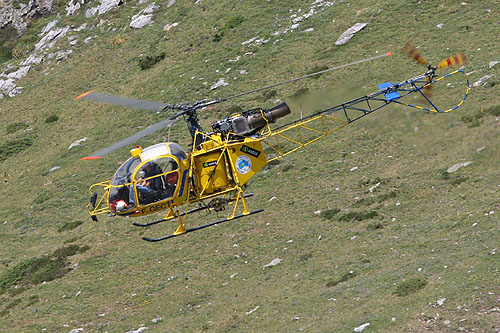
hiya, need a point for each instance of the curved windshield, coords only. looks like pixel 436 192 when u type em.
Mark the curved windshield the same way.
pixel 119 193
pixel 177 151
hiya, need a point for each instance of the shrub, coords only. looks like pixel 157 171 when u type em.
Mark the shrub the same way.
pixel 410 286
pixel 51 119
pixel 150 60
pixel 69 226
pixel 12 147
pixel 345 277
pixel 329 214
pixel 12 128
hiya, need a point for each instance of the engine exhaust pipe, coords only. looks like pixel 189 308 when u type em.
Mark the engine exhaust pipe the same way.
pixel 270 115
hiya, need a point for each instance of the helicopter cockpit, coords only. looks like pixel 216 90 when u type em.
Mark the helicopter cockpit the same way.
pixel 152 174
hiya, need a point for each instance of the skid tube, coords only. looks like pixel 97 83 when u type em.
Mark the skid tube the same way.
pixel 194 210
pixel 201 227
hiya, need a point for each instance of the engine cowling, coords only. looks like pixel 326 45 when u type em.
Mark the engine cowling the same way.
pixel 248 122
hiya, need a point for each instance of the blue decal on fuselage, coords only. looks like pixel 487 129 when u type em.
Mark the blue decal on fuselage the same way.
pixel 183 182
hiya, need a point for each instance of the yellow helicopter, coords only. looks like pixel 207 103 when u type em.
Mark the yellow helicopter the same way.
pixel 213 173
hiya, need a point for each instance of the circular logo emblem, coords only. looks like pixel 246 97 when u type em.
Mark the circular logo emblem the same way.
pixel 243 164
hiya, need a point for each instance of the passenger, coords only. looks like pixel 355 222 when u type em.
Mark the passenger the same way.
pixel 147 188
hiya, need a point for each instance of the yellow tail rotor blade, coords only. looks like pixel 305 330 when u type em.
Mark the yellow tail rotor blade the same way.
pixel 412 52
pixel 456 60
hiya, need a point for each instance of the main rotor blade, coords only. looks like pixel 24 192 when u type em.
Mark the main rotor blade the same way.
pixel 131 140
pixel 303 77
pixel 123 101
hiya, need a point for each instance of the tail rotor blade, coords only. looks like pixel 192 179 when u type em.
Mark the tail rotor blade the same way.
pixel 456 60
pixel 412 52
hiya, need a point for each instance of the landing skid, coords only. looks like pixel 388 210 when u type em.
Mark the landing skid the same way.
pixel 200 227
pixel 194 210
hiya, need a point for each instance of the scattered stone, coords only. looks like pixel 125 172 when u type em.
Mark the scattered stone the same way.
pixel 493 63
pixel 21 72
pixel 440 25
pixel 170 26
pixel 440 301
pixel 76 330
pixel 170 3
pixel 353 168
pixel 318 212
pixel 218 84
pixel 273 198
pixel 139 330
pixel 73 6
pixel 144 17
pixel 54 168
pixel 32 59
pixel 77 143
pixel 349 33
pixel 457 166
pixel 157 320
pixel 482 81
pixel 78 293
pixel 91 12
pixel 255 41
pixel 253 310
pixel 273 263
pixel 49 40
pixel 7 86
pixel 480 149
pixel 371 189
pixel 361 328
pixel 447 322
pixel 51 25
pixel 107 5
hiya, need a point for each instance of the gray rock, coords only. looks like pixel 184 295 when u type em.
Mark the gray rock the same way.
pixel 171 3
pixel 141 21
pixel 482 81
pixel 493 63
pixel 107 5
pixel 50 39
pixel 7 86
pixel 16 15
pixel 32 59
pixel 73 6
pixel 349 33
pixel 21 72
pixel 77 143
pixel 91 12
pixel 51 25
pixel 457 166
pixel 218 84
pixel 144 17
pixel 274 262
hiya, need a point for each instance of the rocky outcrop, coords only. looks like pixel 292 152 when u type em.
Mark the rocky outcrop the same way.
pixel 15 15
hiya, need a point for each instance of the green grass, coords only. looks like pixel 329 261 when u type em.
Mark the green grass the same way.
pixel 419 236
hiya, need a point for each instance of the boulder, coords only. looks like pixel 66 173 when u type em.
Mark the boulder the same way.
pixel 144 17
pixel 349 33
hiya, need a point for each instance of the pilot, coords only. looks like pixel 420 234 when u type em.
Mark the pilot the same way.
pixel 147 187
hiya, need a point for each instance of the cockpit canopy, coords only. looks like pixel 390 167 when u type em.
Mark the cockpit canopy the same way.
pixel 149 175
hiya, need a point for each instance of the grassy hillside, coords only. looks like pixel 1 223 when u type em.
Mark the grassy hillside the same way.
pixel 368 224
